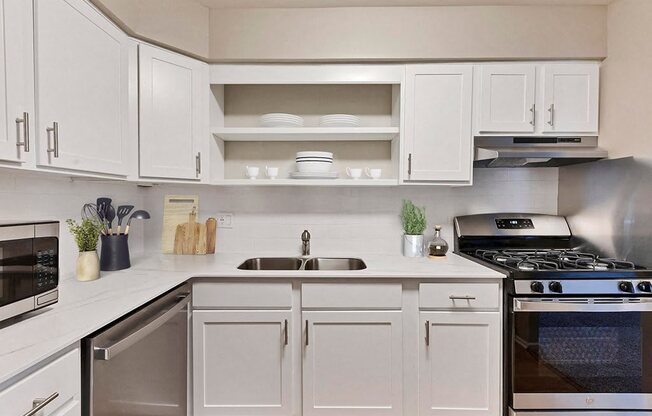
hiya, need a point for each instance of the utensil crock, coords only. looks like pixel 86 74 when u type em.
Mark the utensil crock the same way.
pixel 115 252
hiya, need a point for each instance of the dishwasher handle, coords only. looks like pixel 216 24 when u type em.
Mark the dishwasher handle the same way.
pixel 106 353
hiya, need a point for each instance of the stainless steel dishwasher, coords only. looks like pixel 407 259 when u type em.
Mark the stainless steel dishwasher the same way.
pixel 138 366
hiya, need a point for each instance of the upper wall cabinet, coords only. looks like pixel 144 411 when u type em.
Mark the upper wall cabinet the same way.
pixel 173 114
pixel 17 81
pixel 82 76
pixel 536 99
pixel 438 139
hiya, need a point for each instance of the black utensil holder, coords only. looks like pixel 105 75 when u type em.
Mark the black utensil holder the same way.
pixel 115 252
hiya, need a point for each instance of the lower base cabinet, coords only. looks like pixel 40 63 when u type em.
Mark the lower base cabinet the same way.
pixel 460 364
pixel 242 363
pixel 352 363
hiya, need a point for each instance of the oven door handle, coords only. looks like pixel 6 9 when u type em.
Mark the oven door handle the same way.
pixel 618 305
pixel 106 353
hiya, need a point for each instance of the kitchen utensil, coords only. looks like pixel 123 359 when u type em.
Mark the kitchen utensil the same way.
pixel 138 215
pixel 101 204
pixel 211 229
pixel 89 212
pixel 373 173
pixel 176 209
pixel 110 216
pixel 123 211
pixel 271 172
pixel 194 237
pixel 354 173
pixel 252 171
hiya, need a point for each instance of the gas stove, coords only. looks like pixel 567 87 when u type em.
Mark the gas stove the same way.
pixel 537 254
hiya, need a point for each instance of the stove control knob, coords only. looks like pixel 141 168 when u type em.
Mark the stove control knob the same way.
pixel 555 287
pixel 644 286
pixel 536 287
pixel 625 286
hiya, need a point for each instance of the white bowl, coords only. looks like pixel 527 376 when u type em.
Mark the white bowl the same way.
pixel 315 154
pixel 314 167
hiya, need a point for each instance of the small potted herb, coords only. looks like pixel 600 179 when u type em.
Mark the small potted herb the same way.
pixel 86 236
pixel 413 219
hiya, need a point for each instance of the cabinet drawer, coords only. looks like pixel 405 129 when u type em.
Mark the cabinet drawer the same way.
pixel 459 296
pixel 238 295
pixel 351 295
pixel 62 376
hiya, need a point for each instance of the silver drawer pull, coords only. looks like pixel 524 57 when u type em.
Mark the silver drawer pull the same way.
pixel 533 120
pixel 551 111
pixel 25 122
pixel 427 333
pixel 285 332
pixel 466 297
pixel 39 404
pixel 198 164
pixel 55 136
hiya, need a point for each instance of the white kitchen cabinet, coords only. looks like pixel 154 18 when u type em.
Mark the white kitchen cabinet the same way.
pixel 570 98
pixel 438 136
pixel 242 363
pixel 460 364
pixel 507 98
pixel 17 81
pixel 62 377
pixel 352 363
pixel 82 94
pixel 173 114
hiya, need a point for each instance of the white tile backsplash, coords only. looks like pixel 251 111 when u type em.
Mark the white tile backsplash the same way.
pixel 355 219
pixel 43 196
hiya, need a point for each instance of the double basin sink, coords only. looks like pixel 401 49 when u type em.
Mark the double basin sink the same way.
pixel 296 263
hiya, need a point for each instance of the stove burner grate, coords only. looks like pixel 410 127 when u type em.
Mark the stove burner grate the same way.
pixel 551 259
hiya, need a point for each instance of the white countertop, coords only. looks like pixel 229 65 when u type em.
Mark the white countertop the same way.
pixel 85 307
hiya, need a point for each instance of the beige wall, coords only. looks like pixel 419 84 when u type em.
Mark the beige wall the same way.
pixel 179 24
pixel 626 96
pixel 408 33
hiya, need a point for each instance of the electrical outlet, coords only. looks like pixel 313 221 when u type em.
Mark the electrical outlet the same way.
pixel 224 220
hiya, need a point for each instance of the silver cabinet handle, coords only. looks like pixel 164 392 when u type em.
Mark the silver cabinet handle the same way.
pixel 307 340
pixel 106 353
pixel 39 404
pixel 551 111
pixel 198 164
pixel 409 164
pixel 285 332
pixel 55 135
pixel 427 333
pixel 533 110
pixel 465 297
pixel 25 122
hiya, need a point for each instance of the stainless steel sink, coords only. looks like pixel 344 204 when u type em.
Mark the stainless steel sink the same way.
pixel 294 263
pixel 271 263
pixel 331 263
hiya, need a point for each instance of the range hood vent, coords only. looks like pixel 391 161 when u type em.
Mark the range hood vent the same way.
pixel 521 152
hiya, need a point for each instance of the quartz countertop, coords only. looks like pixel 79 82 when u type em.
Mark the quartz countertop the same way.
pixel 85 307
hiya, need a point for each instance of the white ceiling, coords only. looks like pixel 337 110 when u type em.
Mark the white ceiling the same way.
pixel 220 4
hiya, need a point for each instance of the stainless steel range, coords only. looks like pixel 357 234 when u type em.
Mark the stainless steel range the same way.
pixel 578 333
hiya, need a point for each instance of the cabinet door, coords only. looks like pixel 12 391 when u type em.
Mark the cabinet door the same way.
pixel 352 363
pixel 173 107
pixel 17 76
pixel 438 141
pixel 507 98
pixel 460 364
pixel 82 64
pixel 242 363
pixel 571 98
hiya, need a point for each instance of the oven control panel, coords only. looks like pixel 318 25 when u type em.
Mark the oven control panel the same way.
pixel 514 224
pixel 583 287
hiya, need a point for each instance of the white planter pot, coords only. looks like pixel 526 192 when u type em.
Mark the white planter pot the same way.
pixel 412 245
pixel 88 266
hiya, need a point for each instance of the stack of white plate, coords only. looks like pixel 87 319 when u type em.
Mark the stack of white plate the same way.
pixel 339 120
pixel 281 120
pixel 314 165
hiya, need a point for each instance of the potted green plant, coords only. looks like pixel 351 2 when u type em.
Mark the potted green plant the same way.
pixel 86 236
pixel 413 219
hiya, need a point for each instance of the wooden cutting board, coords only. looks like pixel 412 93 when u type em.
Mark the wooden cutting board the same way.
pixel 176 210
pixel 192 238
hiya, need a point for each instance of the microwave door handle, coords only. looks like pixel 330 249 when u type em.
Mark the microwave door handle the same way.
pixel 530 305
pixel 106 353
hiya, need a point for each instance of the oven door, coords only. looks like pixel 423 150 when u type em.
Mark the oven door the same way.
pixel 581 354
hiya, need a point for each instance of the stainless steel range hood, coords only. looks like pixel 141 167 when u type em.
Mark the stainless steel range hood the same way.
pixel 517 152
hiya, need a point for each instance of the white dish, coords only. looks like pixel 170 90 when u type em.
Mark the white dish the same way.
pixel 339 120
pixel 281 120
pixel 315 154
pixel 314 167
pixel 309 175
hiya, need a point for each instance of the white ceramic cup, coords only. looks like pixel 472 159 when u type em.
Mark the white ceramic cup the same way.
pixel 373 173
pixel 354 173
pixel 271 172
pixel 252 171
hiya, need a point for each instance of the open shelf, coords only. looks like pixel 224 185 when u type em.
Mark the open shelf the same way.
pixel 249 134
pixel 308 182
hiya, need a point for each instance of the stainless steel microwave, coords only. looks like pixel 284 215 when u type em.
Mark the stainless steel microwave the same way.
pixel 29 266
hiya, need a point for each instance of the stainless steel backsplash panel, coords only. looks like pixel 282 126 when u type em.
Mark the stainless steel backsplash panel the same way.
pixel 609 207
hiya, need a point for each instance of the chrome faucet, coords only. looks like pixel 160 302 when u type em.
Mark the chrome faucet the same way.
pixel 305 240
